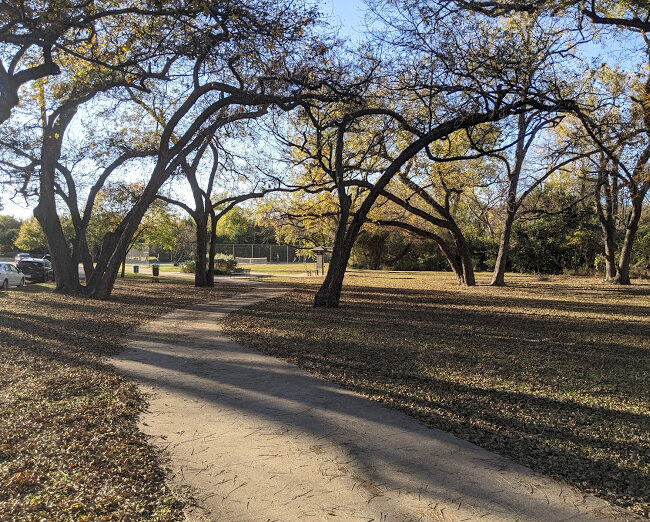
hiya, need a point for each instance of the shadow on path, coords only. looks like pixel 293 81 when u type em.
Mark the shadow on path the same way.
pixel 259 439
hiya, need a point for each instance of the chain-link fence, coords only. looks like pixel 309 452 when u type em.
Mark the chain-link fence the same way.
pixel 138 255
pixel 262 253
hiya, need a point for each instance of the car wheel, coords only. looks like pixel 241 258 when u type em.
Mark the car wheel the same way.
pixel 5 284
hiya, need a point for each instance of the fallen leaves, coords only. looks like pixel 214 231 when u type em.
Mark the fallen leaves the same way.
pixel 551 374
pixel 69 444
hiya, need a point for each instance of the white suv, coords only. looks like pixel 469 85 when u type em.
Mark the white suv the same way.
pixel 10 276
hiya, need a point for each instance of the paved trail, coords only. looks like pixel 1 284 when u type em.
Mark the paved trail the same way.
pixel 259 439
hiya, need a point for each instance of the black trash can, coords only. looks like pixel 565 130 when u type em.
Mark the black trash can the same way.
pixel 136 269
pixel 155 270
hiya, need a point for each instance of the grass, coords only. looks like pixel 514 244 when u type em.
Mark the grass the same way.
pixel 553 374
pixel 271 268
pixel 281 269
pixel 69 445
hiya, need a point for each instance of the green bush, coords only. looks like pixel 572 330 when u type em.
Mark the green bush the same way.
pixel 224 264
pixel 188 267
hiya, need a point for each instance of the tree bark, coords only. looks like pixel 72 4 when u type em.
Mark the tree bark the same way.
pixel 213 248
pixel 498 277
pixel 329 294
pixel 200 270
pixel 66 267
pixel 116 244
pixel 465 256
pixel 623 272
pixel 512 205
pixel 607 190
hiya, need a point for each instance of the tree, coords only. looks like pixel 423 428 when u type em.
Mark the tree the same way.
pixel 31 237
pixel 112 203
pixel 432 198
pixel 241 58
pixel 42 39
pixel 9 227
pixel 100 56
pixel 448 80
pixel 556 234
pixel 209 209
pixel 629 17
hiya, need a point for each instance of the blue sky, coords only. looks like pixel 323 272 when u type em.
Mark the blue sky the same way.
pixel 349 14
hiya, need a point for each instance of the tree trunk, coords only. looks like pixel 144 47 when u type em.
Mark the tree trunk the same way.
pixel 465 257
pixel 115 246
pixel 623 272
pixel 86 256
pixel 453 259
pixel 607 217
pixel 329 293
pixel 498 276
pixel 117 243
pixel 610 250
pixel 213 248
pixel 66 269
pixel 200 271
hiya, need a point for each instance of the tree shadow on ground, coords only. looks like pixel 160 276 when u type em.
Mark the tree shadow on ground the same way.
pixel 551 381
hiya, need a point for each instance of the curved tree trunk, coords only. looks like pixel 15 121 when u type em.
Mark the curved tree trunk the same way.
pixel 329 293
pixel 453 259
pixel 66 267
pixel 117 243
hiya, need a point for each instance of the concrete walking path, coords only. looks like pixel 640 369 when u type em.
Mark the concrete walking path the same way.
pixel 259 439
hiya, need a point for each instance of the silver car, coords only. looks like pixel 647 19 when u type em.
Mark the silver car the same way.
pixel 10 276
pixel 21 256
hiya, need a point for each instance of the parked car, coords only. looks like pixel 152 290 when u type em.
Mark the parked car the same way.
pixel 21 256
pixel 37 269
pixel 10 276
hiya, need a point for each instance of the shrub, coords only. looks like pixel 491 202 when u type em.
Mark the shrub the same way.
pixel 224 264
pixel 188 267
